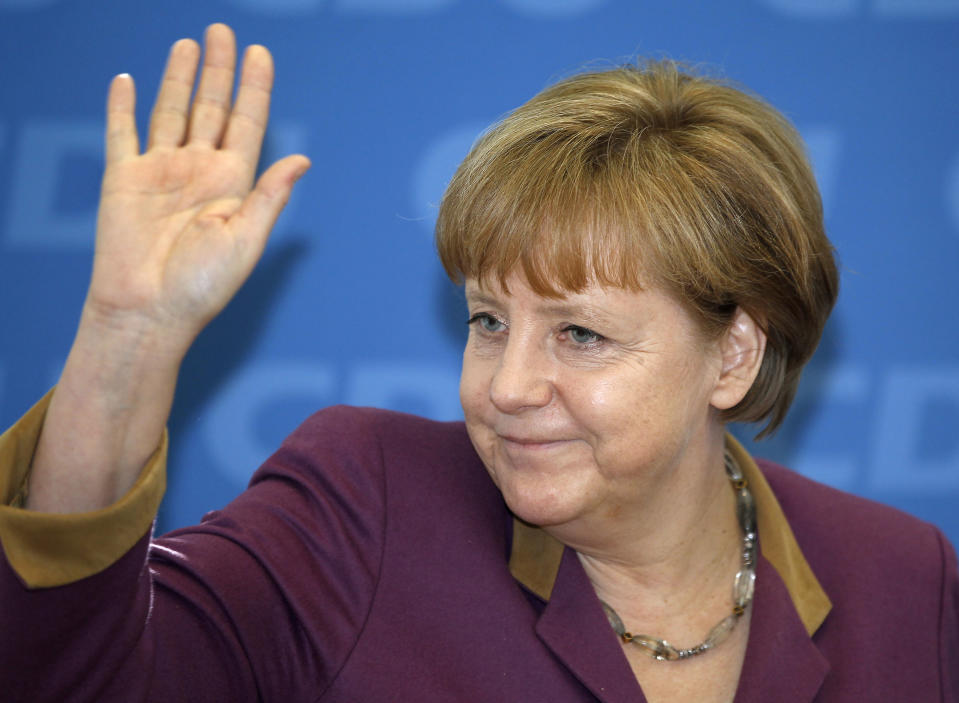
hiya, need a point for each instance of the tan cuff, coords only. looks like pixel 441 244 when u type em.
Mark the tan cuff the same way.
pixel 48 549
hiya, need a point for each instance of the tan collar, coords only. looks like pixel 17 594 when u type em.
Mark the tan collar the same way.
pixel 535 557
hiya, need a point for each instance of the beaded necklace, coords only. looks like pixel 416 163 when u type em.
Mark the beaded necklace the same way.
pixel 744 584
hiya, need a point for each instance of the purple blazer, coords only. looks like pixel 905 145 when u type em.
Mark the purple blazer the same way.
pixel 368 561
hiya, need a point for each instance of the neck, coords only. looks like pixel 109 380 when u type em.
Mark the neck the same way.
pixel 672 562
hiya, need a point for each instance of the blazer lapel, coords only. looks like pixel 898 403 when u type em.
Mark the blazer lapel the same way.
pixel 782 662
pixel 574 627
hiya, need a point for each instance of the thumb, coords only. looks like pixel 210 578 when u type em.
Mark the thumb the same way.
pixel 262 206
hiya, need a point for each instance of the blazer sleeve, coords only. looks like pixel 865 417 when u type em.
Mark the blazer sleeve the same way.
pixel 263 600
pixel 949 624
pixel 46 549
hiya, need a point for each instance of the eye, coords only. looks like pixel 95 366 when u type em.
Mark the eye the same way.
pixel 487 322
pixel 582 335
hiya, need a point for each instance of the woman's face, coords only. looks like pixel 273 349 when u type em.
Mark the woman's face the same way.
pixel 580 406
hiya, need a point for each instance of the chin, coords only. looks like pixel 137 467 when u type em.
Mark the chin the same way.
pixel 541 485
pixel 539 505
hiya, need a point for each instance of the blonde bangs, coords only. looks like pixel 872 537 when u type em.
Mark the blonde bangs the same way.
pixel 560 211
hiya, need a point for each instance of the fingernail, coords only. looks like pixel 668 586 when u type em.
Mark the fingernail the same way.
pixel 303 169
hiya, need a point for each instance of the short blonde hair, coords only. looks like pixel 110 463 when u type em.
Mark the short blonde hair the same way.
pixel 650 175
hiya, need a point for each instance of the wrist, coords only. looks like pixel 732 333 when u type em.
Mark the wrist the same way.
pixel 130 338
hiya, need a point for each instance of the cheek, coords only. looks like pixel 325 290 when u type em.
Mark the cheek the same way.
pixel 621 414
pixel 598 411
pixel 607 403
pixel 474 397
pixel 474 385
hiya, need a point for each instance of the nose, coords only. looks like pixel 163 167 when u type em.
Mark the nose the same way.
pixel 521 380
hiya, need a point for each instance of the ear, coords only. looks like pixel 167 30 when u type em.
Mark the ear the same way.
pixel 742 347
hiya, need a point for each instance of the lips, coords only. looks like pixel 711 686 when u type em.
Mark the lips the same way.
pixel 528 433
pixel 528 440
pixel 532 442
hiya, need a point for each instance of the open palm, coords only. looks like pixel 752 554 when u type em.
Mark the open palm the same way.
pixel 181 225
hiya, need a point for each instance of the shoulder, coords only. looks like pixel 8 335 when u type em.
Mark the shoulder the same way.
pixel 892 578
pixel 383 450
pixel 864 551
pixel 364 432
pixel 832 525
pixel 812 506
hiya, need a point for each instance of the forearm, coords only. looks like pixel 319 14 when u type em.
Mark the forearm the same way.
pixel 106 416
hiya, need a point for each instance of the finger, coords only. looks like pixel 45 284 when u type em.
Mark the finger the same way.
pixel 259 210
pixel 169 119
pixel 247 125
pixel 211 105
pixel 121 138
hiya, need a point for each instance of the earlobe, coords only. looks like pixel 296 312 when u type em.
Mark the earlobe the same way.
pixel 742 346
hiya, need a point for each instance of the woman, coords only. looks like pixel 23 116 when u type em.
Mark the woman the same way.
pixel 644 261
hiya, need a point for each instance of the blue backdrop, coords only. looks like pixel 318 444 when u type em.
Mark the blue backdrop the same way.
pixel 350 305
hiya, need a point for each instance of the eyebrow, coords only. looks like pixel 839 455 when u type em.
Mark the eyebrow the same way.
pixel 476 296
pixel 588 314
pixel 591 316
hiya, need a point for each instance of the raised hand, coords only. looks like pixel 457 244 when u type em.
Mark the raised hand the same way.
pixel 180 227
